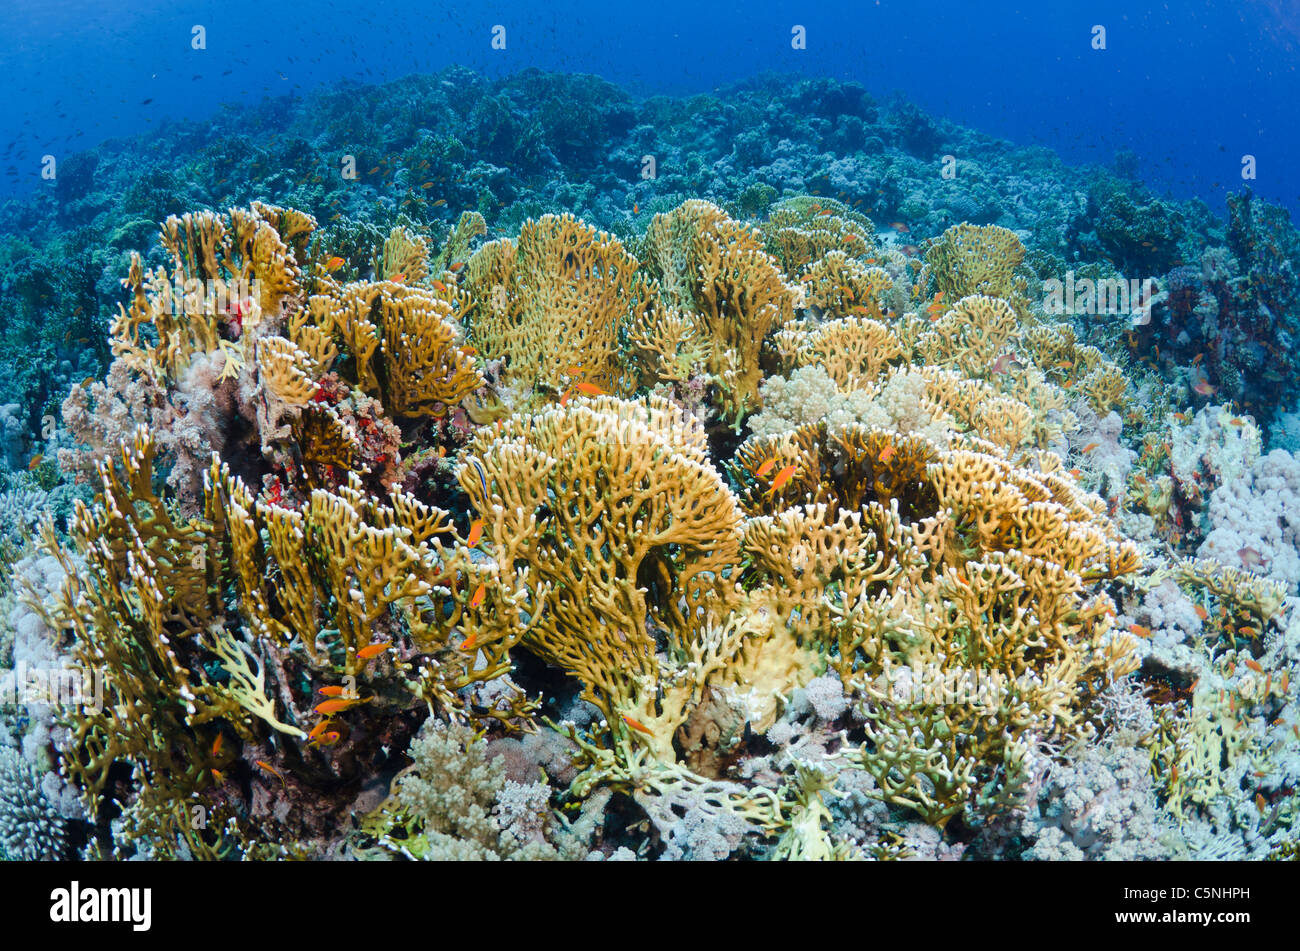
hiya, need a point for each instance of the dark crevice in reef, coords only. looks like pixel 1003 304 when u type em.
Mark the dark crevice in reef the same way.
pixel 539 679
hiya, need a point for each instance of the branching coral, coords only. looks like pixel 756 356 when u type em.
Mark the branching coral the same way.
pixel 1260 596
pixel 227 270
pixel 404 343
pixel 853 350
pixel 1106 388
pixel 30 829
pixel 624 526
pixel 716 269
pixel 556 304
pixel 838 285
pixel 904 531
pixel 668 347
pixel 145 611
pixel 802 230
pixel 963 573
pixel 971 336
pixel 406 257
pixel 469 225
pixel 232 341
pixel 977 259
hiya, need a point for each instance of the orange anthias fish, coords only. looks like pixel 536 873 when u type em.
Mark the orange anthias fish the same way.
pixel 455 266
pixel 1205 388
pixel 398 278
pixel 36 461
pixel 1090 447
pixel 589 389
pixel 900 227
pixel 479 593
pixel 1250 557
pixel 334 263
pixel 1139 630
pixel 887 453
pixel 782 478
pixel 331 707
pixel 1201 613
pixel 765 468
pixel 1005 363
pixel 331 691
pixel 638 726
pixel 475 532
pixel 263 764
pixel 468 643
pixel 374 650
pixel 636 209
pixel 438 286
pixel 1254 665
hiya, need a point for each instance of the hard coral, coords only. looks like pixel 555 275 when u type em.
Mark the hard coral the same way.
pixel 556 304
pixel 624 529
pixel 30 828
pixel 957 568
pixel 903 528
pixel 717 270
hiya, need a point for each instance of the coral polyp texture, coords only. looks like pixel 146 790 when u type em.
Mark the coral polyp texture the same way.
pixel 738 527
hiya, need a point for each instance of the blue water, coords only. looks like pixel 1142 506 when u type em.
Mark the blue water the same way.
pixel 1191 86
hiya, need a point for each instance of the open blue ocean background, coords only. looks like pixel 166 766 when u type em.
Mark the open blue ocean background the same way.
pixel 1190 86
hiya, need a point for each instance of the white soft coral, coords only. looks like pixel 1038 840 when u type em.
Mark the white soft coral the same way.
pixel 1256 520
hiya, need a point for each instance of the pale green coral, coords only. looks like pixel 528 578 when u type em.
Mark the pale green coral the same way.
pixel 30 829
pixel 455 803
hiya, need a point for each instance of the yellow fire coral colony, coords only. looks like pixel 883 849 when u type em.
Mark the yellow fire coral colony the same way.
pixel 716 270
pixel 556 304
pixel 923 544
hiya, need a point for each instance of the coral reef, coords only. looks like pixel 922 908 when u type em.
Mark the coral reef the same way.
pixel 495 506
